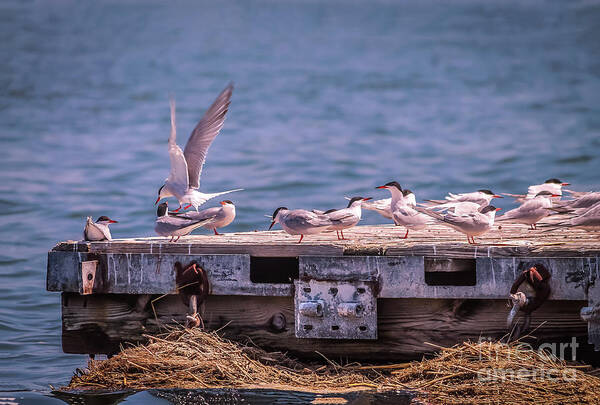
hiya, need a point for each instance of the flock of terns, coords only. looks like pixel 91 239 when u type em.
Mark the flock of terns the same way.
pixel 469 213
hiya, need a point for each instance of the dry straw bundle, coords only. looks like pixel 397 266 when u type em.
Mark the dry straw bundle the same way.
pixel 498 373
pixel 470 373
pixel 190 358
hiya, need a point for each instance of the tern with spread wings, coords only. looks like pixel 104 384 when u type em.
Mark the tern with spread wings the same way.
pixel 186 166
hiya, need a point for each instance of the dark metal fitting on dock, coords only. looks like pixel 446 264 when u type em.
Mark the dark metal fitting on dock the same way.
pixel 311 308
pixel 538 278
pixel 192 282
pixel 193 320
pixel 590 314
pixel 88 276
pixel 350 309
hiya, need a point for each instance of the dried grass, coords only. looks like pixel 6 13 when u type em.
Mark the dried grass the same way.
pixel 470 373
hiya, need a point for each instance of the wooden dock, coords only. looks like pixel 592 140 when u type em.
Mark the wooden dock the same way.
pixel 375 296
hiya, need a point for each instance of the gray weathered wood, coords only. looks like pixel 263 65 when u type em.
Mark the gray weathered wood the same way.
pixel 404 277
pixel 435 241
pixel 397 277
pixel 407 327
pixel 122 273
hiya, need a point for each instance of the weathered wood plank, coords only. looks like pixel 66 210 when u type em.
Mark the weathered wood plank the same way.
pixel 98 322
pixel 156 274
pixel 435 241
pixel 396 277
pixel 404 277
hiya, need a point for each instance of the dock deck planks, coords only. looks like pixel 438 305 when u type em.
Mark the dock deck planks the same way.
pixel 436 241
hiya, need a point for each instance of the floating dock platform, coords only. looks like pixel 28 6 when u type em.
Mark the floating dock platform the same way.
pixel 373 297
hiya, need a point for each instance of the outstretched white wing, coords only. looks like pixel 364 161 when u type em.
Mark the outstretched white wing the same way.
pixel 178 176
pixel 203 135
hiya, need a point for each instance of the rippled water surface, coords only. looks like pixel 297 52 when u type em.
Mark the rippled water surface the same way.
pixel 330 100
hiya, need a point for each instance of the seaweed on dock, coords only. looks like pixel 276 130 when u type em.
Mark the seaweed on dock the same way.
pixel 469 373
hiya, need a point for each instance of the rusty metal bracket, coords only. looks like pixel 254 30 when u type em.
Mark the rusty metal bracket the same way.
pixel 88 276
pixel 327 309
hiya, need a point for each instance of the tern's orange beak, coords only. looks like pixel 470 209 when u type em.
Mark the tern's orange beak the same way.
pixel 113 222
pixel 555 195
pixel 381 187
pixel 565 184
pixel 498 209
pixel 272 223
pixel 222 203
pixel 367 199
pixel 157 200
pixel 497 196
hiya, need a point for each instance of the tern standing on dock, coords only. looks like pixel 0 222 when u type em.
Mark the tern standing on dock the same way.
pixel 384 206
pixel 581 200
pixel 472 224
pixel 222 216
pixel 174 226
pixel 531 211
pixel 95 231
pixel 402 212
pixel 553 186
pixel 301 222
pixel 346 218
pixel 186 166
pixel 582 218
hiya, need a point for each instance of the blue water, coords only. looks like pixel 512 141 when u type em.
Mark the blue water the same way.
pixel 331 100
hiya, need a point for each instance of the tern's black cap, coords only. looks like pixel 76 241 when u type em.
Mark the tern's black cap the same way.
pixel 488 209
pixel 486 191
pixel 394 184
pixel 354 199
pixel 554 181
pixel 277 210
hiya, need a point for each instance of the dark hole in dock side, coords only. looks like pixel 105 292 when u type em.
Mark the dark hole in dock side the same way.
pixel 281 270
pixel 450 271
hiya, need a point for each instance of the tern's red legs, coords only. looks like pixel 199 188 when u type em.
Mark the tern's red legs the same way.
pixel 301 236
pixel 216 233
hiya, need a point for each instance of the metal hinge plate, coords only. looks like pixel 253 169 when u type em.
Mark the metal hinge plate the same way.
pixel 88 275
pixel 335 310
